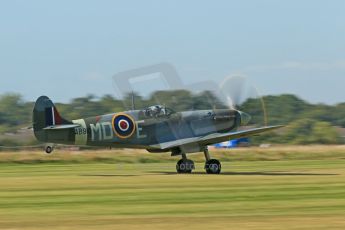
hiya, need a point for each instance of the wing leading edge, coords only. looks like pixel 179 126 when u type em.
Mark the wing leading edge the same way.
pixel 59 127
pixel 215 138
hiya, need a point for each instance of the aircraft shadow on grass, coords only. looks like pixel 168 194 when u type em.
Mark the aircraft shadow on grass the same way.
pixel 109 175
pixel 256 173
pixel 224 174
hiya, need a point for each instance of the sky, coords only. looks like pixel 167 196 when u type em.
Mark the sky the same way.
pixel 67 49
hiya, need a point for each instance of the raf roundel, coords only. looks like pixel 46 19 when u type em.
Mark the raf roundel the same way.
pixel 123 125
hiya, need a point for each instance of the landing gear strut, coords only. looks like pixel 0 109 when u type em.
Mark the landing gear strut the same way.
pixel 185 165
pixel 212 166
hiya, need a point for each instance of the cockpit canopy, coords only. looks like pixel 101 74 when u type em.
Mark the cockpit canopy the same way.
pixel 158 111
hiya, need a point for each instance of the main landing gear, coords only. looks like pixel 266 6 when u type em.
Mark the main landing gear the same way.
pixel 185 165
pixel 212 166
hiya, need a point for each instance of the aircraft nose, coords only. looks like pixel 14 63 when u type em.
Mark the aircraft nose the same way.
pixel 245 118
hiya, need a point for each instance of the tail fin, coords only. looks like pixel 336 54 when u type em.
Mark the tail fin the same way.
pixel 45 115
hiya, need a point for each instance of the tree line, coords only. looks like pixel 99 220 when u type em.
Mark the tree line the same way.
pixel 306 123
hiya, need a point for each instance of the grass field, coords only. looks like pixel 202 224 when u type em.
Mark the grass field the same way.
pixel 275 188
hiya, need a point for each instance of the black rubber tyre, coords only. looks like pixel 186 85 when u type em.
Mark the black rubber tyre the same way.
pixel 49 149
pixel 213 166
pixel 185 166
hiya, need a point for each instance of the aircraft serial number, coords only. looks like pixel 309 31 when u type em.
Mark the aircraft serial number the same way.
pixel 80 131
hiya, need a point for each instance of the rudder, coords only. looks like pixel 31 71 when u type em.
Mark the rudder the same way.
pixel 45 114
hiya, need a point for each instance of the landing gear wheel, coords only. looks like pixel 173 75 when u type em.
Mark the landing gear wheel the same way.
pixel 49 149
pixel 185 166
pixel 213 166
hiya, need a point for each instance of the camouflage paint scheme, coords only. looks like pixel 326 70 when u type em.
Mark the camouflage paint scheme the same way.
pixel 156 128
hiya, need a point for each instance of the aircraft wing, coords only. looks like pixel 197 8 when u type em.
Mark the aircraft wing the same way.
pixel 67 126
pixel 215 138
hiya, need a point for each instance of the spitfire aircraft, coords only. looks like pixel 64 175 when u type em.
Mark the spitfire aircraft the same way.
pixel 157 129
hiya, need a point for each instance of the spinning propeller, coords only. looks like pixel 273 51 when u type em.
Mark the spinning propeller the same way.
pixel 240 94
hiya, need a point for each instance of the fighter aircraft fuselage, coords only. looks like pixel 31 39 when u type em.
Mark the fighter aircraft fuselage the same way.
pixel 134 129
pixel 156 128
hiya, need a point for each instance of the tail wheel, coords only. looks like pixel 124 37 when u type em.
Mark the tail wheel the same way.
pixel 213 166
pixel 185 166
pixel 49 149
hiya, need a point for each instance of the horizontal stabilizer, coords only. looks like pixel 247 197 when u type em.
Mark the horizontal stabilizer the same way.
pixel 57 127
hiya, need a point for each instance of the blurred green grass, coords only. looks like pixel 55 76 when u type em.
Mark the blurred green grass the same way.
pixel 270 190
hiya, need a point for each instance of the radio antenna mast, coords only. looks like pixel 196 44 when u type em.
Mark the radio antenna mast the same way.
pixel 133 104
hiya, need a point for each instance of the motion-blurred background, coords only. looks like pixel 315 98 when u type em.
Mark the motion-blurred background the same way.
pixel 307 123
